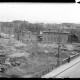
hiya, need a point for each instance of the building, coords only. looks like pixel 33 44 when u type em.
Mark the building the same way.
pixel 53 37
pixel 27 36
pixel 7 28
pixel 74 36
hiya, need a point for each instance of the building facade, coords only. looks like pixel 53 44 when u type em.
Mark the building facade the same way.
pixel 27 36
pixel 7 28
pixel 53 37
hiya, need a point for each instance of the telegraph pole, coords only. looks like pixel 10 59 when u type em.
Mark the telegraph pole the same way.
pixel 58 46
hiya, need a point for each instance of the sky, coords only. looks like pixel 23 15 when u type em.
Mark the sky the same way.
pixel 40 12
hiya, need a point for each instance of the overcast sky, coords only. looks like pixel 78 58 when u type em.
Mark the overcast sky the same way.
pixel 38 12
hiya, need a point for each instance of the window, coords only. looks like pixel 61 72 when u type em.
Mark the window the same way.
pixel 54 39
pixel 48 38
pixel 51 39
pixel 44 38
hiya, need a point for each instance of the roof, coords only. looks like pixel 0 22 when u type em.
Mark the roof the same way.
pixel 64 32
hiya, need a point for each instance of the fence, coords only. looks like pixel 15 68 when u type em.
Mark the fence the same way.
pixel 44 72
pixel 64 61
pixel 75 56
pixel 52 66
pixel 71 58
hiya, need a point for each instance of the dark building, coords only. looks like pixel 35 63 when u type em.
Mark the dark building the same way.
pixel 74 36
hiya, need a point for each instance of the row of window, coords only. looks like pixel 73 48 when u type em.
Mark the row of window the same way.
pixel 55 39
pixel 50 39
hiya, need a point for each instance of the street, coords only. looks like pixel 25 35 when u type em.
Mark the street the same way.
pixel 71 70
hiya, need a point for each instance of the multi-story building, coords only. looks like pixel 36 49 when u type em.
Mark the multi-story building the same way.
pixel 27 36
pixel 7 28
pixel 53 37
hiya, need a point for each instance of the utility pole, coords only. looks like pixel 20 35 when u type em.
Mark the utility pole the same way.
pixel 58 47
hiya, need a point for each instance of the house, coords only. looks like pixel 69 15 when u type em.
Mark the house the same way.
pixel 53 37
pixel 74 36
pixel 27 36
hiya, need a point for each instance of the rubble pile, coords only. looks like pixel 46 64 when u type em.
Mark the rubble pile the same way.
pixel 8 51
pixel 28 58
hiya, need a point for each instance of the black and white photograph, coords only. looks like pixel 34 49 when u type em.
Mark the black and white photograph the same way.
pixel 39 40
